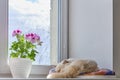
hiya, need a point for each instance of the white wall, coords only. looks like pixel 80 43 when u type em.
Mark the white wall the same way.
pixel 91 31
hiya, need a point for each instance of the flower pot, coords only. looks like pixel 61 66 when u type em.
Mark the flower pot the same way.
pixel 20 67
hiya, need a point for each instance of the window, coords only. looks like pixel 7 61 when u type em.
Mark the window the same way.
pixel 62 22
pixel 32 17
pixel 57 39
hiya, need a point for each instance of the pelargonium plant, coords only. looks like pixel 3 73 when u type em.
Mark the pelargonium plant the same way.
pixel 25 45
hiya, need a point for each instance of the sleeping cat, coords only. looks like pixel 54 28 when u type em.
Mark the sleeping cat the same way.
pixel 70 68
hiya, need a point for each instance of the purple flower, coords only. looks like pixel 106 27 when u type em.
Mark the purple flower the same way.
pixel 32 37
pixel 37 37
pixel 16 32
pixel 28 36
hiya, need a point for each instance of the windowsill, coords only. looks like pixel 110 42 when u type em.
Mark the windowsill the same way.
pixel 43 77
pixel 35 76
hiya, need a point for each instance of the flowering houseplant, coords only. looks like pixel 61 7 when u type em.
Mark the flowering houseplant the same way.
pixel 25 46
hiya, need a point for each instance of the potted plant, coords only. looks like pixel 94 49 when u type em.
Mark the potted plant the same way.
pixel 23 52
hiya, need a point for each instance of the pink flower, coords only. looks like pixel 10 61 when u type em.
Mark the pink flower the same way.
pixel 28 36
pixel 37 37
pixel 16 32
pixel 32 37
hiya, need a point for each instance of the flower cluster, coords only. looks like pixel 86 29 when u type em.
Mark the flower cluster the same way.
pixel 25 46
pixel 32 37
pixel 16 32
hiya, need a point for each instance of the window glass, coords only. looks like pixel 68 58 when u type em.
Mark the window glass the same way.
pixel 32 16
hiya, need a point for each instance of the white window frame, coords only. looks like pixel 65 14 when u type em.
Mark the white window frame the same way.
pixel 62 21
pixel 62 49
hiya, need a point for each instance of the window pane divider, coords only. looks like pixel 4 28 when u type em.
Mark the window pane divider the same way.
pixel 63 26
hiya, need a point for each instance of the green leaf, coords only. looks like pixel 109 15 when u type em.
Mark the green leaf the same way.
pixel 13 55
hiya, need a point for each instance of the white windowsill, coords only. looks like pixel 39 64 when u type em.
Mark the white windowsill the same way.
pixel 31 77
pixel 43 77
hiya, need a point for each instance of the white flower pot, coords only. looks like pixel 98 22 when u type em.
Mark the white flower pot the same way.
pixel 20 67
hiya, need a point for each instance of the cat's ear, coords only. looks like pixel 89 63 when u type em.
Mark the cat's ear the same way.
pixel 65 61
pixel 70 60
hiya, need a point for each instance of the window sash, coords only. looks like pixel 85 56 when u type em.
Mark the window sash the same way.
pixel 60 44
pixel 36 69
pixel 54 31
pixel 4 68
pixel 63 32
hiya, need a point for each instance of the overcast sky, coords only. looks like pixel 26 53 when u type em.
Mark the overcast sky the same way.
pixel 30 6
pixel 36 11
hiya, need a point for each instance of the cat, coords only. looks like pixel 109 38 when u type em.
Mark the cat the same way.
pixel 70 68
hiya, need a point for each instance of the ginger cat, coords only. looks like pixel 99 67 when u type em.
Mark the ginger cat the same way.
pixel 70 68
